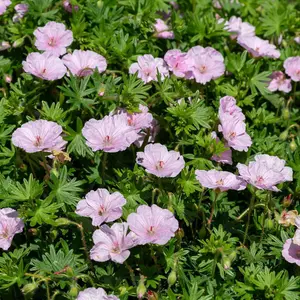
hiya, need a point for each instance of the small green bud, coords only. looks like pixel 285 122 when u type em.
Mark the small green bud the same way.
pixel 99 3
pixel 293 145
pixel 285 113
pixel 29 288
pixel 179 234
pixel 141 289
pixel 287 201
pixel 269 224
pixel 284 135
pixel 73 291
pixel 61 222
pixel 53 234
pixel 226 261
pixel 18 43
pixel 172 278
pixel 202 232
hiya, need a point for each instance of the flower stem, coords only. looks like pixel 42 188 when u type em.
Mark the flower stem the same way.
pixel 268 198
pixel 212 209
pixel 104 160
pixel 242 215
pixel 131 273
pixel 249 216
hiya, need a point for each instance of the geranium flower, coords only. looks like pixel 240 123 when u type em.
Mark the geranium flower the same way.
pixel 44 65
pixel 228 107
pixel 234 132
pixel 226 156
pixel 152 224
pixel 69 7
pixel 101 206
pixel 111 134
pixel 10 225
pixel 3 6
pixel 177 62
pixel 291 251
pixel 21 8
pixel 40 135
pixel 95 294
pixel 83 63
pixel 292 67
pixel 53 38
pixel 147 68
pixel 236 26
pixel 159 161
pixel 288 218
pixel 279 83
pixel 258 47
pixel 112 243
pixel 221 180
pixel 162 30
pixel 205 64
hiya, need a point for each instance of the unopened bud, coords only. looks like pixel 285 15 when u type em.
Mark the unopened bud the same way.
pixel 73 291
pixel 293 145
pixel 29 288
pixel 141 289
pixel 152 295
pixel 287 201
pixel 226 262
pixel 202 232
pixel 18 43
pixel 179 234
pixel 61 222
pixel 33 231
pixel 99 3
pixel 269 224
pixel 4 45
pixel 101 91
pixel 285 113
pixel 284 135
pixel 172 278
pixel 7 78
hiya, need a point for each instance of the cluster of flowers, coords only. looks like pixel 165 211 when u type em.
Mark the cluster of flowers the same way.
pixel 54 39
pixel 21 9
pixel 291 248
pixel 201 64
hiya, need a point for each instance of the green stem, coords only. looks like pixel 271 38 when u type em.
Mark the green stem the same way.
pixel 268 198
pixel 212 209
pixel 104 160
pixel 242 215
pixel 213 270
pixel 249 216
pixel 48 290
pixel 131 272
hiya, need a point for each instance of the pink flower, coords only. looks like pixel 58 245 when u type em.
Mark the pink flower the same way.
pixel 277 165
pixel 258 47
pixel 40 135
pixel 112 243
pixel 111 134
pixel 279 83
pixel 152 224
pixel 176 61
pixel 159 161
pixel 153 131
pixel 228 107
pixel 162 30
pixel 101 206
pixel 53 38
pixel 44 66
pixel 291 252
pixel 205 64
pixel 10 224
pixel 95 294
pixel 226 156
pixel 69 7
pixel 21 8
pixel 4 45
pixel 147 68
pixel 83 63
pixel 234 132
pixel 239 28
pixel 221 180
pixel 292 67
pixel 265 172
pixel 3 6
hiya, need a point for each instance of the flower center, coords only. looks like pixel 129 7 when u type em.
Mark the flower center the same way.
pixel 116 248
pixel 160 165
pixel 259 180
pixel 220 182
pixel 130 121
pixel 51 42
pixel 85 72
pixel 151 230
pixel 232 135
pixel 38 141
pixel 5 234
pixel 202 69
pixel 101 210
pixel 107 140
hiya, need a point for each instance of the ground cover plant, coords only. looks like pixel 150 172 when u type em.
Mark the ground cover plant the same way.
pixel 149 149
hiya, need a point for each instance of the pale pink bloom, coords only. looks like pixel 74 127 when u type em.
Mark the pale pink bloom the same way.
pixel 3 6
pixel 7 78
pixel 296 238
pixel 21 8
pixel 297 39
pixel 162 30
pixel 226 156
pixel 228 107
pixel 153 131
pixel 4 45
pixel 205 64
pixel 40 135
pixel 159 161
pixel 10 224
pixel 277 165
pixel 292 67
pixel 111 134
pixel 44 65
pixel 152 224
pixel 258 47
pixel 53 38
pixel 260 175
pixel 83 63
pixel 95 294
pixel 140 120
pixel 291 252
pixel 234 132
pixel 69 7
pixel 279 83
pixel 101 206
pixel 221 180
pixel 112 243
pixel 177 62
pixel 236 26
pixel 147 68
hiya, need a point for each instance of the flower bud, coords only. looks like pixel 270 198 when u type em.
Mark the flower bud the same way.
pixel 172 278
pixel 101 91
pixel 61 222
pixel 226 262
pixel 287 201
pixel 33 231
pixel 73 290
pixel 269 224
pixel 285 113
pixel 152 295
pixel 293 145
pixel 29 288
pixel 7 78
pixel 141 289
pixel 202 232
pixel 4 45
pixel 179 234
pixel 18 43
pixel 284 135
pixel 100 3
